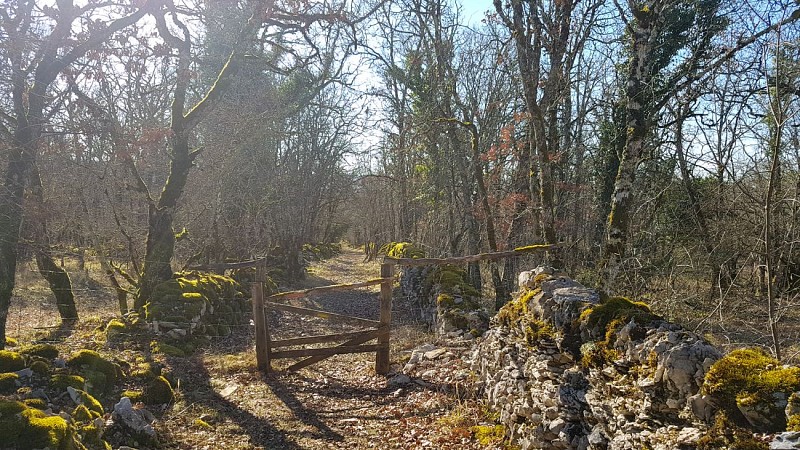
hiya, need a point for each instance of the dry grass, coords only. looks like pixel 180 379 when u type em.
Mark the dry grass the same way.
pixel 223 401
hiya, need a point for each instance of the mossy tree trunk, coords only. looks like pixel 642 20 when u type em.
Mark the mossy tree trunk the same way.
pixel 160 246
pixel 21 158
pixel 30 82
pixel 57 278
pixel 637 97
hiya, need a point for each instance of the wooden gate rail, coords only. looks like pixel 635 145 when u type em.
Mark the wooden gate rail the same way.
pixel 354 342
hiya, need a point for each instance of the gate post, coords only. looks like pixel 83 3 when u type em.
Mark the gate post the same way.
pixel 382 355
pixel 260 321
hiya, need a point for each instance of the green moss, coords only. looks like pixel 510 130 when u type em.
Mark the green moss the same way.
pixel 36 403
pixel 445 300
pixel 528 248
pixel 61 381
pixel 487 435
pixel 597 354
pixel 202 424
pixel 167 349
pixel 26 428
pixel 514 311
pixel 749 378
pixel 40 367
pixel 42 430
pixel 792 409
pixel 135 396
pixel 46 351
pixel 604 321
pixel 158 391
pixel 96 381
pixel 83 414
pixel 726 435
pixel 537 331
pixel 8 383
pixel 146 371
pixel 11 361
pixel 402 250
pixel 613 311
pixel 115 329
pixel 92 437
pixel 793 424
pixel 87 400
pixel 11 342
pixel 451 280
pixel 101 373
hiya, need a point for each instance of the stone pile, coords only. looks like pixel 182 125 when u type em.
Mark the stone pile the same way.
pixel 566 370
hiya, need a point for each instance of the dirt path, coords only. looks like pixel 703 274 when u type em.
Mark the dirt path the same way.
pixel 339 403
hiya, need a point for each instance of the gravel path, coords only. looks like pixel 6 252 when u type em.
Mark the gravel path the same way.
pixel 339 403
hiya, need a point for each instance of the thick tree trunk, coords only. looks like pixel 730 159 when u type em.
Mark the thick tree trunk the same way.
pixel 57 278
pixel 10 221
pixel 60 284
pixel 20 161
pixel 160 246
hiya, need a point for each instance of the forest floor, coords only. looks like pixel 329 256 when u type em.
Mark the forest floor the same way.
pixel 223 401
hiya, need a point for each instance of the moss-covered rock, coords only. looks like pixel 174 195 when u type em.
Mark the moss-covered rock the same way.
pixel 402 250
pixel 115 330
pixel 726 435
pixel 158 391
pixel 135 396
pixel 101 374
pixel 46 351
pixel 41 368
pixel 11 361
pixel 517 309
pixel 167 349
pixel 8 383
pixel 91 437
pixel 146 371
pixel 81 397
pixel 83 414
pixel 613 313
pixel 60 381
pixel 11 342
pixel 37 403
pixel 450 280
pixel 195 302
pixel 752 388
pixel 22 427
pixel 793 412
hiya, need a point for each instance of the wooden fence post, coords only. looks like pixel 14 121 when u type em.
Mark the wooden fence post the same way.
pixel 382 355
pixel 260 320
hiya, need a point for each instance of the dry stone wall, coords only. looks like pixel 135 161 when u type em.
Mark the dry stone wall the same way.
pixel 566 373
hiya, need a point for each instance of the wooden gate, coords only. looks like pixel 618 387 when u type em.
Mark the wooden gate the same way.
pixel 351 342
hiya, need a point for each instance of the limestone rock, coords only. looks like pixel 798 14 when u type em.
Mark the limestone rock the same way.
pixel 786 441
pixel 138 421
pixel 398 380
pixel 643 391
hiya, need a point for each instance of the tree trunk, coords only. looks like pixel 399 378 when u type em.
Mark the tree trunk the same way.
pixel 57 278
pixel 160 247
pixel 637 126
pixel 10 221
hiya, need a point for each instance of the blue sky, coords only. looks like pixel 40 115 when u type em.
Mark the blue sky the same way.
pixel 473 9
